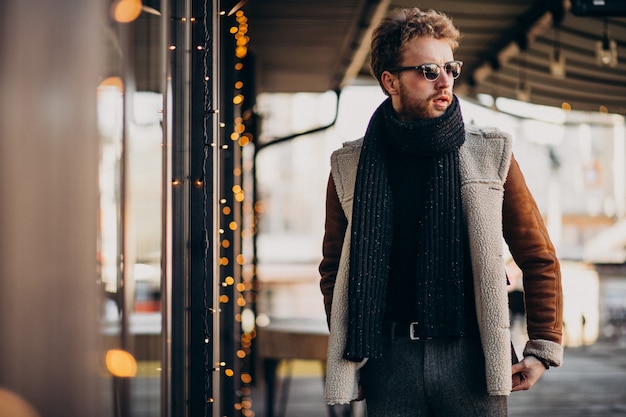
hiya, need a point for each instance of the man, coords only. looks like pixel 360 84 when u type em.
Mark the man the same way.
pixel 412 274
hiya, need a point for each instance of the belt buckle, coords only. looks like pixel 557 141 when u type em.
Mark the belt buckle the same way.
pixel 412 329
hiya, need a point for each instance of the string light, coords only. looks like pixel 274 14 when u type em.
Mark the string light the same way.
pixel 126 11
pixel 231 294
pixel 241 137
pixel 121 363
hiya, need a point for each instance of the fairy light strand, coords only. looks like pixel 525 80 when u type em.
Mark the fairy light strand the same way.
pixel 239 139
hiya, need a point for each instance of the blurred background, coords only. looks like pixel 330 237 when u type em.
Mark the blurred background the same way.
pixel 163 169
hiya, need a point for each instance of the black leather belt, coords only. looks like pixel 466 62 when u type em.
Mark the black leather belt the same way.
pixel 408 330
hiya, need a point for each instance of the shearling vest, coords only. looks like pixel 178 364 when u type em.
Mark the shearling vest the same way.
pixel 484 162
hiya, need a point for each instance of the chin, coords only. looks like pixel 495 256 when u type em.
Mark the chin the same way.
pixel 437 113
pixel 441 109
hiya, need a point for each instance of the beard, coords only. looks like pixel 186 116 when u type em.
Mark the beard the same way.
pixel 414 108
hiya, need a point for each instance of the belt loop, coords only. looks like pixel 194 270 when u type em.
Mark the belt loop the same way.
pixel 393 330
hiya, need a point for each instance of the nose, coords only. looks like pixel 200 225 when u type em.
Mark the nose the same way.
pixel 445 80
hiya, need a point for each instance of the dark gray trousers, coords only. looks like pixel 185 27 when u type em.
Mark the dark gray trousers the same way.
pixel 427 378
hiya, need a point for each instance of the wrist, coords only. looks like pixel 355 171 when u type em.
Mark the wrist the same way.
pixel 544 362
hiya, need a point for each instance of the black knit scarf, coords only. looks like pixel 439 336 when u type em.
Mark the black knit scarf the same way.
pixel 372 222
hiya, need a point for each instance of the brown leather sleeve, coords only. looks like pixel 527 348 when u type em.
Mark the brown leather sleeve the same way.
pixel 529 243
pixel 334 232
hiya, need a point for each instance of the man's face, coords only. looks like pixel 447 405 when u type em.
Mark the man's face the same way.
pixel 412 95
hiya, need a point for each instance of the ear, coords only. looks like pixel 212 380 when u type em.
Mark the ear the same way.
pixel 390 82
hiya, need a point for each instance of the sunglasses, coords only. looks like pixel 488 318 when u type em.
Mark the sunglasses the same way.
pixel 431 71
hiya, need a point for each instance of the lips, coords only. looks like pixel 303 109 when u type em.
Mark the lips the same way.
pixel 442 100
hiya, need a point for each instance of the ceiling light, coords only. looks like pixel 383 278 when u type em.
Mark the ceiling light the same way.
pixel 522 91
pixel 557 64
pixel 606 49
pixel 481 73
pixel 557 58
pixel 522 88
pixel 606 52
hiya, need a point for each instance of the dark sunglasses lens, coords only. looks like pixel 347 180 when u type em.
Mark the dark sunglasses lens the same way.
pixel 431 72
pixel 454 69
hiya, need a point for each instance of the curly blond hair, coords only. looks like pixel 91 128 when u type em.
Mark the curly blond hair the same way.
pixel 402 26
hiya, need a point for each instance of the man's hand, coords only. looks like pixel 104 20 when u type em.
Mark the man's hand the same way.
pixel 526 373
